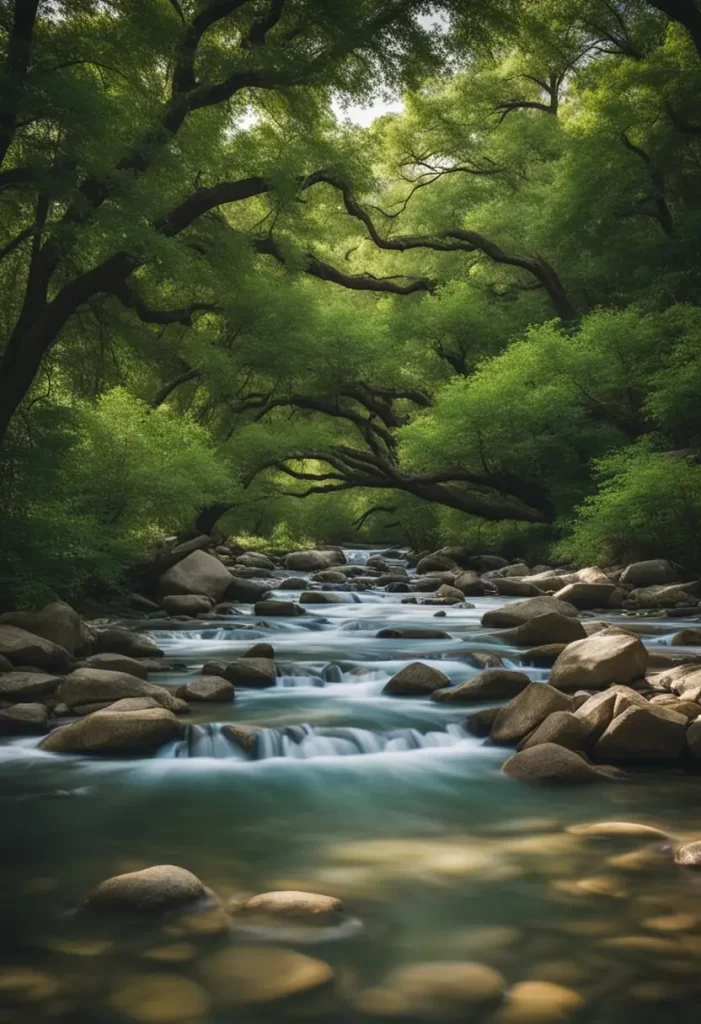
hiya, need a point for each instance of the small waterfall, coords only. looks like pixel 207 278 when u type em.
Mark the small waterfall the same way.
pixel 304 742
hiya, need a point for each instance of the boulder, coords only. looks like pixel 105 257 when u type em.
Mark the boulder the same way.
pixel 480 723
pixel 593 574
pixel 650 573
pixel 247 591
pixel 435 562
pixel 514 587
pixel 312 597
pixel 255 560
pixel 484 659
pixel 261 650
pixel 452 990
pixel 598 661
pixel 23 719
pixel 493 684
pixel 155 889
pixel 187 604
pixel 197 573
pixel 693 740
pixel 450 593
pixel 544 655
pixel 292 583
pixel 108 732
pixel 412 634
pixel 27 686
pixel 561 727
pixel 249 572
pixel 596 714
pixel 587 595
pixel 255 672
pixel 244 736
pixel 278 608
pixel 23 648
pixel 5 664
pixel 299 906
pixel 416 680
pixel 549 762
pixel 550 628
pixel 539 1002
pixel 329 576
pixel 623 830
pixel 116 663
pixel 57 622
pixel 206 688
pixel 486 563
pixel 522 611
pixel 688 855
pixel 642 735
pixel 313 561
pixel 92 685
pixel 526 711
pixel 132 704
pixel 115 640
pixel 469 583
pixel 516 569
pixel 690 637
pixel 669 596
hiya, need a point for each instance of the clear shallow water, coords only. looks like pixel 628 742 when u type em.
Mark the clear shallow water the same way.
pixel 384 802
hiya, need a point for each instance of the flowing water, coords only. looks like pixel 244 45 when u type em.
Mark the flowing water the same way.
pixel 387 803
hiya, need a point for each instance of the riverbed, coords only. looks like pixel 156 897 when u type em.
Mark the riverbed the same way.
pixel 387 803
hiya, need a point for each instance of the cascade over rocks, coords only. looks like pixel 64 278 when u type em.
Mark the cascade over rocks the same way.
pixel 156 889
pixel 598 661
pixel 197 573
pixel 492 684
pixel 23 648
pixel 107 732
pixel 522 611
pixel 416 680
pixel 56 622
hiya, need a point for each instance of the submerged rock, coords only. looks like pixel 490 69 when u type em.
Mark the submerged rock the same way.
pixel 260 975
pixel 160 999
pixel 598 661
pixel 549 762
pixel 539 1002
pixel 108 732
pixel 492 684
pixel 158 888
pixel 444 989
pixel 416 680
pixel 413 634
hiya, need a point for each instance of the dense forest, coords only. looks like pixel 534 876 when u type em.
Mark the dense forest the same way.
pixel 225 305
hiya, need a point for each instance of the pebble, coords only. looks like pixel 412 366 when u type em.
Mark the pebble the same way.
pixel 538 1002
pixel 160 999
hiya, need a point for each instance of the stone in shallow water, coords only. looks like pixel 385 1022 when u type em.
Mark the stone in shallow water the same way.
pixel 258 975
pixel 161 999
pixel 23 719
pixel 292 904
pixel 446 988
pixel 416 680
pixel 549 762
pixel 672 922
pixel 492 684
pixel 522 611
pixel 617 830
pixel 642 735
pixel 561 727
pixel 206 688
pixel 526 711
pixel 27 984
pixel 108 732
pixel 598 661
pixel 688 855
pixel 172 952
pixel 156 889
pixel 538 1002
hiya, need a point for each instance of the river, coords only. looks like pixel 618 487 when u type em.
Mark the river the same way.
pixel 384 802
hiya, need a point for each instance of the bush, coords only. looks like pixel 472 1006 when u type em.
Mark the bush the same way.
pixel 648 505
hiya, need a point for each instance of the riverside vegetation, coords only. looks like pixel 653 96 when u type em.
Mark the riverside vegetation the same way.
pixel 255 767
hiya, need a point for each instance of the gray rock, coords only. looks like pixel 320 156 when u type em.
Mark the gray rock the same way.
pixel 27 686
pixel 329 576
pixel 587 595
pixel 23 719
pixel 543 655
pixel 486 563
pixel 690 637
pixel 91 685
pixel 312 597
pixel 247 591
pixel 663 596
pixel 57 622
pixel 116 663
pixel 412 634
pixel 549 762
pixel 493 684
pixel 313 561
pixel 693 740
pixel 206 688
pixel 688 855
pixel 480 723
pixel 272 608
pixel 598 661
pixel 649 573
pixel 416 680
pixel 596 714
pixel 108 732
pixel 514 587
pixel 522 611
pixel 642 735
pixel 563 728
pixel 526 711
pixel 435 561
pixel 254 672
pixel 159 888
pixel 197 573
pixel 5 664
pixel 187 604
pixel 23 648
pixel 261 650
pixel 550 628
pixel 298 906
pixel 469 583
pixel 255 560
pixel 115 640
pixel 244 736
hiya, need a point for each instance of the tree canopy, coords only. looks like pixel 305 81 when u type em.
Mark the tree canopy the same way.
pixel 476 318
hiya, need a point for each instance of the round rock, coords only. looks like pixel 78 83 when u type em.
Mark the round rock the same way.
pixel 298 905
pixel 154 889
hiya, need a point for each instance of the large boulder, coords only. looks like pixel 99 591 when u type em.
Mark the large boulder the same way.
pixel 522 611
pixel 526 711
pixel 187 604
pixel 486 563
pixel 561 727
pixel 117 663
pixel 598 661
pixel 549 762
pixel 508 586
pixel 92 686
pixel 116 640
pixel 690 637
pixel 550 628
pixel 435 562
pixel 596 714
pixel 587 595
pixel 57 622
pixel 255 560
pixel 648 574
pixel 197 573
pixel 21 647
pixel 247 591
pixel 450 593
pixel 21 719
pixel 480 723
pixel 253 672
pixel 160 888
pixel 313 561
pixel 285 609
pixel 108 732
pixel 27 686
pixel 206 688
pixel 492 684
pixel 416 680
pixel 469 583
pixel 664 596
pixel 652 734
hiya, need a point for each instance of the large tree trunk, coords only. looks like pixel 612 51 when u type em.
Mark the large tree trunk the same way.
pixel 687 13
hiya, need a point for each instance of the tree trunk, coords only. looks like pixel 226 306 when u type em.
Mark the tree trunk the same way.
pixel 208 517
